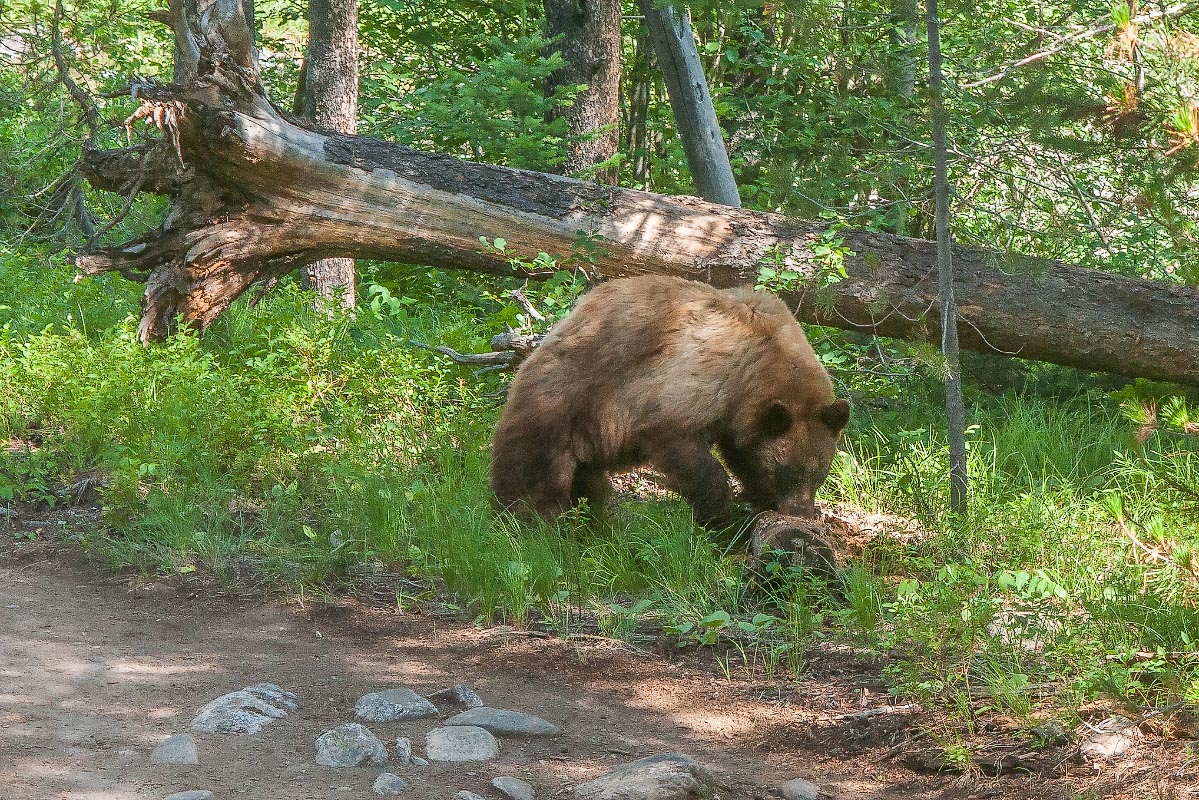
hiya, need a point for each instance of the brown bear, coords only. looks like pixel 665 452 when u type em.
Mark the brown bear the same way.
pixel 657 370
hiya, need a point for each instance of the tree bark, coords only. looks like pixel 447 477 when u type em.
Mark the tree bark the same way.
pixel 691 102
pixel 330 77
pixel 590 44
pixel 901 54
pixel 640 82
pixel 263 193
pixel 955 408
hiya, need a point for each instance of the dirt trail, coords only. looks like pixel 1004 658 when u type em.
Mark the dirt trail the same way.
pixel 94 672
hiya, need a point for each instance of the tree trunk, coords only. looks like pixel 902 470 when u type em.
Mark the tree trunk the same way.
pixel 901 54
pixel 955 408
pixel 640 81
pixel 330 73
pixel 590 43
pixel 263 194
pixel 691 102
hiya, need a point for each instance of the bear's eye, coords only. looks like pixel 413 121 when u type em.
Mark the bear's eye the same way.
pixel 776 421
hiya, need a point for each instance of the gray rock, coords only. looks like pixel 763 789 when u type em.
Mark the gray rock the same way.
pixel 392 704
pixel 1027 629
pixel 403 750
pixel 504 723
pixel 245 711
pixel 465 795
pixel 667 777
pixel 799 789
pixel 459 695
pixel 348 746
pixel 389 785
pixel 1109 738
pixel 179 749
pixel 194 794
pixel 461 743
pixel 513 788
pixel 1051 732
pixel 420 762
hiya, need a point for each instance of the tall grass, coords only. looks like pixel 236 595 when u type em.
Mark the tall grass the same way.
pixel 311 449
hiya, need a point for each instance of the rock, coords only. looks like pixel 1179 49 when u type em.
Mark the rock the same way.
pixel 1051 732
pixel 1024 628
pixel 179 749
pixel 504 723
pixel 513 788
pixel 194 794
pixel 465 795
pixel 420 762
pixel 245 711
pixel 403 750
pixel 348 746
pixel 461 743
pixel 799 789
pixel 667 777
pixel 389 785
pixel 1109 738
pixel 392 704
pixel 458 695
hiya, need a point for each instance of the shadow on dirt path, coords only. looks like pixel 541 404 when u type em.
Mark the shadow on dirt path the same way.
pixel 94 672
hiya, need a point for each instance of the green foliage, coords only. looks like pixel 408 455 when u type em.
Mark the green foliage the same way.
pixel 308 450
pixel 494 112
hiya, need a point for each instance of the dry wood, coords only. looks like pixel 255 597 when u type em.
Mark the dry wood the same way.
pixel 264 193
pixel 691 102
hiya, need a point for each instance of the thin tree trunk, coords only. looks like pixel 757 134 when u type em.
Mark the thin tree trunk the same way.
pixel 262 196
pixel 590 43
pixel 900 77
pixel 330 85
pixel 694 114
pixel 640 82
pixel 844 68
pixel 955 409
pixel 297 100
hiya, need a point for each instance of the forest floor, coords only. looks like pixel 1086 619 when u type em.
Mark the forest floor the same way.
pixel 96 668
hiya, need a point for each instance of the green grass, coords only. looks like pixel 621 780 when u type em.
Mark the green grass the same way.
pixel 316 449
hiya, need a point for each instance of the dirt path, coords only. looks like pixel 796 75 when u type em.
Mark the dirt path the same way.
pixel 95 672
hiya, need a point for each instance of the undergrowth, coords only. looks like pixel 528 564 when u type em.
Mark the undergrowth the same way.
pixel 312 449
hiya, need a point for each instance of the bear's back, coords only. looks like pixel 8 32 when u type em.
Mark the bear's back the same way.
pixel 660 344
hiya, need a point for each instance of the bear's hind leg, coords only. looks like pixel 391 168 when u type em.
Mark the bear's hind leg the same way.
pixel 550 492
pixel 531 470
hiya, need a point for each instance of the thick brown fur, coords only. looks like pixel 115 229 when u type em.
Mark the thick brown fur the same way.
pixel 658 370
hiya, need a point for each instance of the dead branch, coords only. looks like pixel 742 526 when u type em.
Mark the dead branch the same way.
pixel 1064 42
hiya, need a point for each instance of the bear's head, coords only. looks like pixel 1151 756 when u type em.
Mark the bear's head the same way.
pixel 786 455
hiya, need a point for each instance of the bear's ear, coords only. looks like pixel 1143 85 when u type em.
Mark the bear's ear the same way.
pixel 835 415
pixel 776 421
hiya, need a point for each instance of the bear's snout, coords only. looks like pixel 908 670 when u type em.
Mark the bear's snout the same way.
pixel 801 503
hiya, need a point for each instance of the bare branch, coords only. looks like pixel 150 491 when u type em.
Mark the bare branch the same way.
pixel 530 309
pixel 1064 42
pixel 474 359
pixel 520 343
pixel 91 115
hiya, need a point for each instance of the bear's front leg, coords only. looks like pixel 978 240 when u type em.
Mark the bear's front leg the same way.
pixel 694 472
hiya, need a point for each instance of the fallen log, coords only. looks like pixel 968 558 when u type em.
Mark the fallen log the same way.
pixel 260 194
